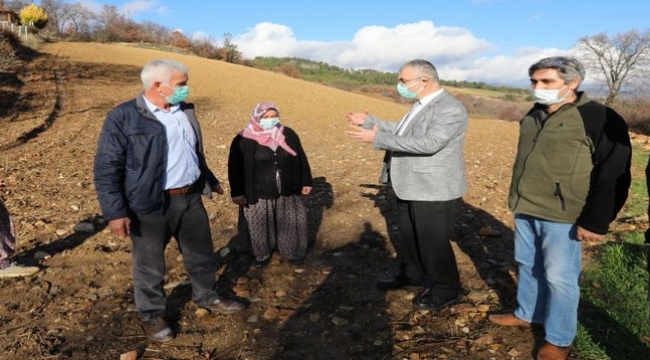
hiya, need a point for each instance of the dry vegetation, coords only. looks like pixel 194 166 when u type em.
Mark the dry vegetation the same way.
pixel 79 306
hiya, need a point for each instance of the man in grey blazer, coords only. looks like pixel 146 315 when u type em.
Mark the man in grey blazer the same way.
pixel 424 164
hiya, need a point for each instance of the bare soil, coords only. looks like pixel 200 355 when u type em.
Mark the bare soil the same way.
pixel 80 306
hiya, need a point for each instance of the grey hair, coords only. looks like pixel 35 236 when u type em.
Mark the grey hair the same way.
pixel 160 70
pixel 423 68
pixel 568 68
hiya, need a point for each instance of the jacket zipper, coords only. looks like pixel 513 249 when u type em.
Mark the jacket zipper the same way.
pixel 558 193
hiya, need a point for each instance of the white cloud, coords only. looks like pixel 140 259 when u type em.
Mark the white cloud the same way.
pixel 456 52
pixel 376 47
pixel 389 47
pixel 201 36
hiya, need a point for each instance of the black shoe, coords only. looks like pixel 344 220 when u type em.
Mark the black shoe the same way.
pixel 225 306
pixel 395 283
pixel 260 263
pixel 435 300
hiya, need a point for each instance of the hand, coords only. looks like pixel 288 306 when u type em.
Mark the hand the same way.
pixel 121 226
pixel 217 188
pixel 239 200
pixel 587 236
pixel 357 118
pixel 362 135
pixel 306 190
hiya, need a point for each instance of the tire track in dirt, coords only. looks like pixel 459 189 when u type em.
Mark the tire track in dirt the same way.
pixel 51 68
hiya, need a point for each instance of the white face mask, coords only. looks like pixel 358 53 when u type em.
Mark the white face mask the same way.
pixel 549 97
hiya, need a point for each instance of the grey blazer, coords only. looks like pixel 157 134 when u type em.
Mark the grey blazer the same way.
pixel 427 159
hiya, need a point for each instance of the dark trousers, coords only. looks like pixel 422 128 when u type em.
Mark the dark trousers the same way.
pixel 185 219
pixel 427 257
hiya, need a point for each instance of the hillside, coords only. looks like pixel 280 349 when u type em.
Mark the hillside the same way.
pixel 79 306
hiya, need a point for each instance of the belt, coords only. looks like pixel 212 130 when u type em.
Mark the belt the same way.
pixel 180 191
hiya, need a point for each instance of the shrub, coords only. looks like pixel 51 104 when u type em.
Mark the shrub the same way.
pixel 8 44
pixel 636 112
pixel 33 15
pixel 288 69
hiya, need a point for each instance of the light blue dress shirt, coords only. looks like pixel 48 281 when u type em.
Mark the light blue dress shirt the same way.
pixel 182 159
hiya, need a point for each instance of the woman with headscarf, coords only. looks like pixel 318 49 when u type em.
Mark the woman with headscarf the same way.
pixel 268 171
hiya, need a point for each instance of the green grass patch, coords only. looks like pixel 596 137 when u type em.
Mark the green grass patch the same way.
pixel 614 311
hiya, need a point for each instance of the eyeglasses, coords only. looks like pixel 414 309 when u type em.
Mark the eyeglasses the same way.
pixel 406 81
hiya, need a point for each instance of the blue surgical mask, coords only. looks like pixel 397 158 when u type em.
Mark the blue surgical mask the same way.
pixel 269 123
pixel 180 94
pixel 403 90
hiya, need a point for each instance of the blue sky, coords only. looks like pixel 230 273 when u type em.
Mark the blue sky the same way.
pixel 476 40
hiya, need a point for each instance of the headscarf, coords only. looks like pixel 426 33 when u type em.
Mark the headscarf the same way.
pixel 271 138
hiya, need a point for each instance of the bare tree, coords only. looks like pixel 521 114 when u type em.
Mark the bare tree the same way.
pixel 53 10
pixel 618 59
pixel 232 54
pixel 76 16
pixel 16 5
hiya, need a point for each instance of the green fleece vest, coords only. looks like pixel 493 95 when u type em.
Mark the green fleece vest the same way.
pixel 552 170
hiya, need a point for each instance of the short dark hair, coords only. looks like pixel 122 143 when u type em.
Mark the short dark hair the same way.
pixel 569 68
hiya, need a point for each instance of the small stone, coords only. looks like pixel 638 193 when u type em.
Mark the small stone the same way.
pixel 224 252
pixel 74 207
pixel 280 293
pixel 299 270
pixel 476 296
pixel 339 321
pixel 488 231
pixel 514 353
pixel 41 255
pixel 201 312
pixel 61 232
pixel 131 355
pixel 285 314
pixel 314 317
pixel 484 340
pixel 271 313
pixel 253 319
pixel 464 308
pixel 84 227
pixel 241 291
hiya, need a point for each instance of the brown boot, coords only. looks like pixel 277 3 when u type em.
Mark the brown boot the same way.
pixel 157 330
pixel 507 320
pixel 549 351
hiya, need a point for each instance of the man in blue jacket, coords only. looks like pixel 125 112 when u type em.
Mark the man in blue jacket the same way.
pixel 570 178
pixel 150 173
